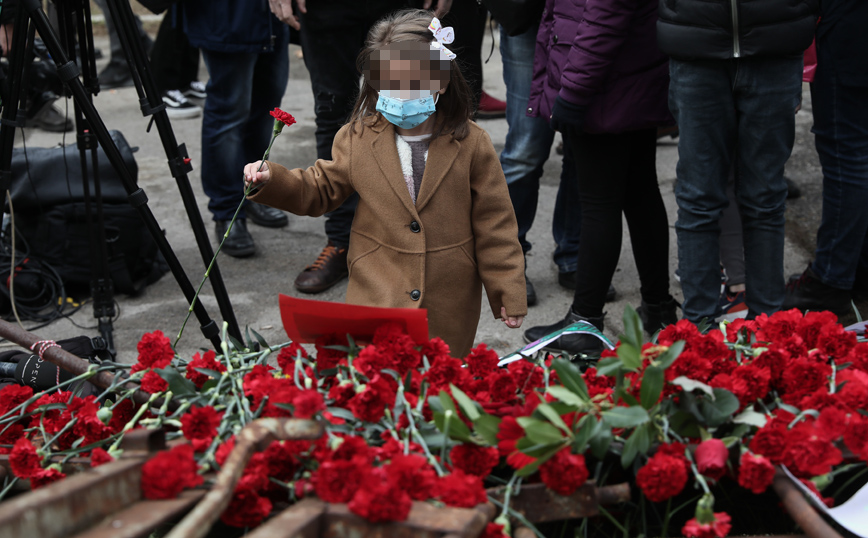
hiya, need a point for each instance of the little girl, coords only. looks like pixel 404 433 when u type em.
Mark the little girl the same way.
pixel 434 221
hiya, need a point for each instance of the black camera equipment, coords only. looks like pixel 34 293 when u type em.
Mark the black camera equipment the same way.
pixel 75 29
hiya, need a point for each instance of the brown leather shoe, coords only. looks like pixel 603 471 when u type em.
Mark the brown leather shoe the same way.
pixel 328 269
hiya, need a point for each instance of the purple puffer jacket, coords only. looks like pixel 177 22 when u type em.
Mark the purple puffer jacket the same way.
pixel 603 55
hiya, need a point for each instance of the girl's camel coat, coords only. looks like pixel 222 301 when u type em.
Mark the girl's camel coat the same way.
pixel 434 254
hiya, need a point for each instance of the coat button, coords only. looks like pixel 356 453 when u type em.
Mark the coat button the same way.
pixel 555 38
pixel 415 228
pixel 415 295
pixel 530 110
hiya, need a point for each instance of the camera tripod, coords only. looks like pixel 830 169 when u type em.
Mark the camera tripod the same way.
pixel 75 28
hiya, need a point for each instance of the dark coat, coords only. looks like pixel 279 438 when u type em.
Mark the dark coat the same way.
pixel 437 253
pixel 233 25
pixel 602 55
pixel 722 29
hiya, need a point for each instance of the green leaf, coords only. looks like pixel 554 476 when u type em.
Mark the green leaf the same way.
pixel 684 424
pixel 549 413
pixel 260 339
pixel 213 374
pixel 468 406
pixel 751 417
pixel 447 403
pixel 208 385
pixel 178 384
pixel 630 356
pixel 457 429
pixel 638 443
pixel 340 412
pixel 571 378
pixel 236 344
pixel 535 451
pixel 652 386
pixel 600 443
pixel 721 409
pixel 588 426
pixel 666 358
pixel 632 328
pixel 625 417
pixel 436 405
pixel 566 396
pixel 689 385
pixel 540 432
pixel 609 366
pixel 532 468
pixel 621 394
pixel 487 427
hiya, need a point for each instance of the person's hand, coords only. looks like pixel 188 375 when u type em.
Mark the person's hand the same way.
pixel 513 322
pixel 6 38
pixel 282 9
pixel 567 116
pixel 443 7
pixel 256 178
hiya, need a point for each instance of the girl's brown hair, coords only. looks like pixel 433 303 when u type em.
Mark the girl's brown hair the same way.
pixel 411 26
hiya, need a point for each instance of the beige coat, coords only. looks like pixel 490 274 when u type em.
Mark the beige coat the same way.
pixel 436 254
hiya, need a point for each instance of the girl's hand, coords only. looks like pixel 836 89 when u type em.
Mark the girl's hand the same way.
pixel 513 322
pixel 257 179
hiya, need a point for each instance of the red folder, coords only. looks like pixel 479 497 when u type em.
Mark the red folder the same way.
pixel 306 320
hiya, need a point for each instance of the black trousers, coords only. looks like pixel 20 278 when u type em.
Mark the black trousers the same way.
pixel 617 175
pixel 174 62
pixel 467 18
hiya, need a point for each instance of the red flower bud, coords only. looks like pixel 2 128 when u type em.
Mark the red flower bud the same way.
pixel 711 456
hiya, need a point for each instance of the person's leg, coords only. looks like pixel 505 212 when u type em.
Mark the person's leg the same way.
pixel 766 93
pixel 731 242
pixel 567 220
pixel 701 101
pixel 174 62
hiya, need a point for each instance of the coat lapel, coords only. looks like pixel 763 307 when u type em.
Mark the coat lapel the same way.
pixel 386 154
pixel 441 154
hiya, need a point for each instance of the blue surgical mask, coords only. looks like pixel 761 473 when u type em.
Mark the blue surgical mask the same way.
pixel 406 113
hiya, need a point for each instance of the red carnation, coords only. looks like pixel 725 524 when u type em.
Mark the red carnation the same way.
pixel 153 383
pixel 246 509
pixel 338 480
pixel 11 396
pixel 682 330
pixel 45 477
pixel 482 361
pixel 856 436
pixel 769 441
pixel 778 326
pixel 381 501
pixel 199 426
pixel 755 472
pixel 711 456
pixel 307 403
pixel 806 455
pixel 802 377
pixel 208 361
pixel 565 472
pixel 9 434
pixel 370 404
pixel 285 118
pixel 835 341
pixel 413 474
pixel 99 457
pixel 527 375
pixel 326 356
pixel 442 373
pixel 286 357
pixel 717 528
pixel 664 476
pixel 155 351
pixel 474 459
pixel 501 386
pixel 24 460
pixel 493 530
pixel 169 473
pixel 462 490
pixel 435 350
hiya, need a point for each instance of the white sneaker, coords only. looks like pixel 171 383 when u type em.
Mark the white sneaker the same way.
pixel 196 90
pixel 177 106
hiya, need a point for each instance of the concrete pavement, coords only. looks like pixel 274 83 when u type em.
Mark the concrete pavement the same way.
pixel 254 283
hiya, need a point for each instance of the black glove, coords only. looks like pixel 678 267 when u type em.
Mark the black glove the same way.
pixel 567 116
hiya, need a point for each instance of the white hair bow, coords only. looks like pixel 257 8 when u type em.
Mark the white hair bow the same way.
pixel 442 36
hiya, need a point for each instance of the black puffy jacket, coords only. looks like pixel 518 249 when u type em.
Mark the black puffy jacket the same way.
pixel 722 29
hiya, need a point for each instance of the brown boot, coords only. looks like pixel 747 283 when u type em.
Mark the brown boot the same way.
pixel 328 269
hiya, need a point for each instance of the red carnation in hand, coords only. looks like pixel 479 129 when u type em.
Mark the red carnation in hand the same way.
pixel 380 500
pixel 285 118
pixel 711 456
pixel 462 490
pixel 565 472
pixel 286 357
pixel 717 528
pixel 246 509
pixel 155 351
pixel 153 383
pixel 664 476
pixel 199 426
pixel 474 459
pixel 169 473
pixel 755 472
pixel 208 361
pixel 24 460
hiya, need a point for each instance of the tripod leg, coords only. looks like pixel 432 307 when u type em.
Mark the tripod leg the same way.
pixel 179 162
pixel 69 72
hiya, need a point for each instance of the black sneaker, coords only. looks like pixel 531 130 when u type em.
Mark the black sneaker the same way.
pixel 178 107
pixel 239 243
pixel 574 344
pixel 196 90
pixel 115 75
pixel 265 216
pixel 50 118
pixel 808 293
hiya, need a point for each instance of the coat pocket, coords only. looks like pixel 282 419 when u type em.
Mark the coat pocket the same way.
pixel 360 247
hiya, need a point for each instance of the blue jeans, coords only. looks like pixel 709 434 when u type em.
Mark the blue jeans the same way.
pixel 841 135
pixel 743 106
pixel 236 127
pixel 528 143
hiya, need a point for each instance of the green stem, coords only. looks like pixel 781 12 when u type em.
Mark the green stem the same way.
pixel 8 487
pixel 132 423
pixel 666 517
pixel 507 493
pixel 612 519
